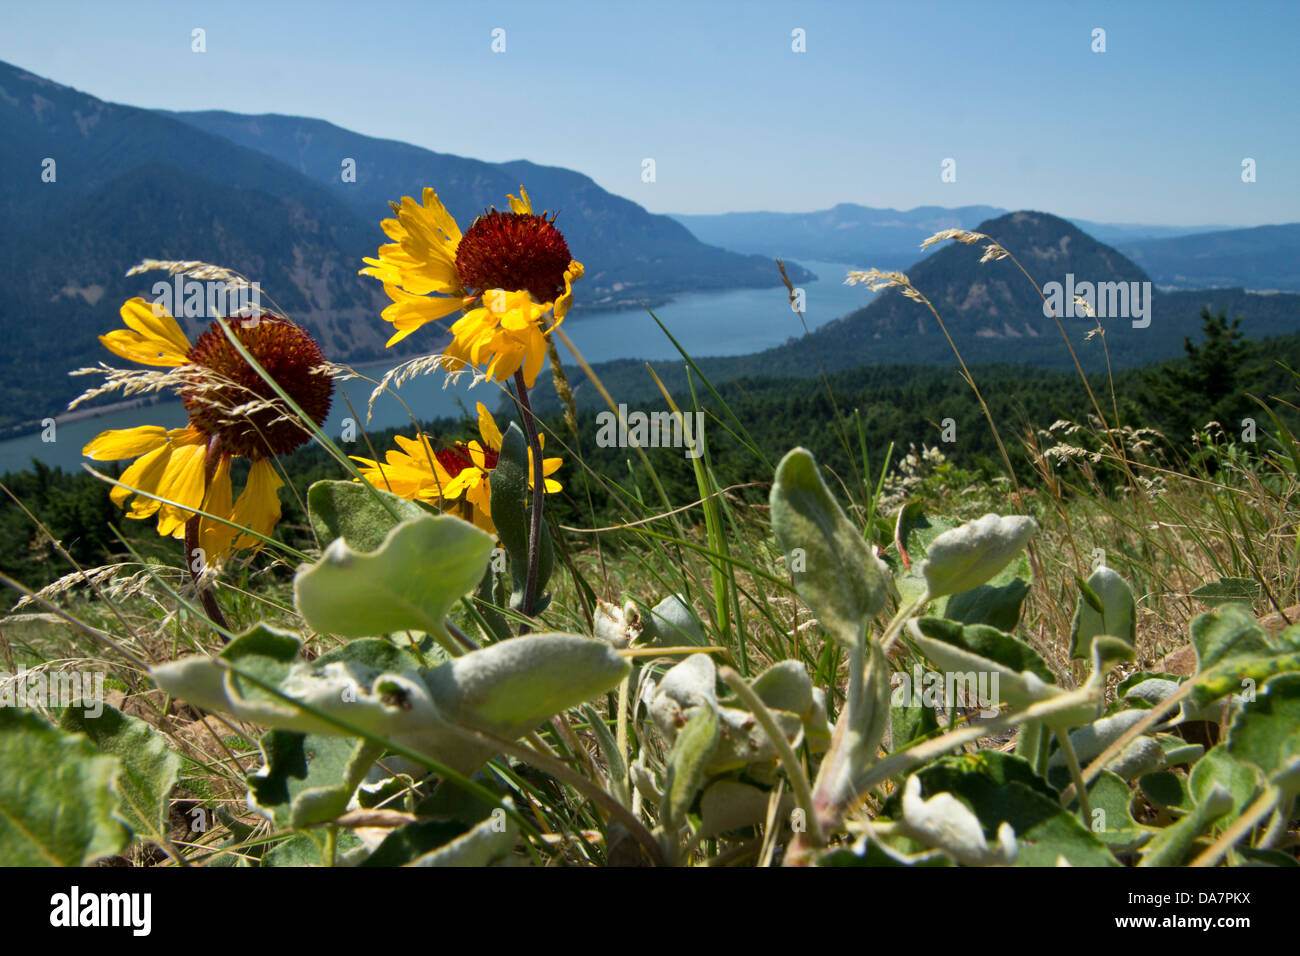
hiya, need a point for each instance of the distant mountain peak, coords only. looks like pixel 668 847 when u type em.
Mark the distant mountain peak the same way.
pixel 993 299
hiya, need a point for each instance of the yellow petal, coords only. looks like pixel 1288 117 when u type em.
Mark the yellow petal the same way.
pixel 480 499
pixel 534 359
pixel 258 507
pixel 487 428
pixel 152 336
pixel 182 485
pixel 437 212
pixel 153 321
pixel 125 443
pixel 467 480
pixel 549 467
pixel 144 474
pixel 562 304
pixel 215 538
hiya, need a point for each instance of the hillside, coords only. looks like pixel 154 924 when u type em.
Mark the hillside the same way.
pixel 1265 257
pixel 1175 257
pixel 128 184
pixel 630 254
pixel 993 315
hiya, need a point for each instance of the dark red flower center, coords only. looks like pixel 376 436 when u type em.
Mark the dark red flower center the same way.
pixel 456 458
pixel 515 252
pixel 267 427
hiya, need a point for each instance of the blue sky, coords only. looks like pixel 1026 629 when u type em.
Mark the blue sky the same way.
pixel 1152 130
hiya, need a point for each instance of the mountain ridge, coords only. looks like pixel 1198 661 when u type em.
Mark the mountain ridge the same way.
pixel 989 310
pixel 88 188
pixel 889 238
pixel 630 254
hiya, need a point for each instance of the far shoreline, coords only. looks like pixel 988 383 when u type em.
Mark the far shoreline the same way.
pixel 578 314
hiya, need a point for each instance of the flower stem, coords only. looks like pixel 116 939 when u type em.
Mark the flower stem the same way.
pixel 539 490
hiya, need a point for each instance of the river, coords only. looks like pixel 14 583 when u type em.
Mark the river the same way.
pixel 706 323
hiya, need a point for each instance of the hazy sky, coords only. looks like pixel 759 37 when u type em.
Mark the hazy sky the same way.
pixel 1154 129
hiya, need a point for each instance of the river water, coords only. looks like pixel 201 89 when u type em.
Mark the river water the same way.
pixel 705 323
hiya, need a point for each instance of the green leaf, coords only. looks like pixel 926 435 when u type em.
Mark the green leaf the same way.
pixel 306 849
pixel 1266 857
pixel 308 778
pixel 453 803
pixel 1107 652
pixel 1106 606
pixel 149 767
pixel 617 766
pixel 1000 768
pixel 483 844
pixel 511 687
pixel 996 603
pixel 1172 845
pixel 1266 732
pixel 911 720
pixel 732 805
pixel 1166 789
pixel 1219 789
pixel 510 494
pixel 1177 750
pixel 785 686
pixel 1022 677
pixel 686 765
pixel 58 795
pixel 511 517
pixel 993 785
pixel 1219 767
pixel 1145 691
pixel 692 685
pixel 505 689
pixel 946 823
pixel 424 566
pixel 672 623
pixel 834 570
pixel 1091 740
pixel 263 651
pixel 1235 675
pixel 988 642
pixel 968 556
pixel 913 532
pixel 408 843
pixel 1225 633
pixel 1111 795
pixel 1140 756
pixel 1228 591
pixel 349 510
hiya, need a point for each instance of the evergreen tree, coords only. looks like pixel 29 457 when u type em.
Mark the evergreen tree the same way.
pixel 1210 384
